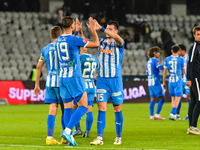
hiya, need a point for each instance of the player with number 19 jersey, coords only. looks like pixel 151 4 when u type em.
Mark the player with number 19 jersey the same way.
pixel 71 80
pixel 174 64
pixel 152 69
pixel 48 55
pixel 89 63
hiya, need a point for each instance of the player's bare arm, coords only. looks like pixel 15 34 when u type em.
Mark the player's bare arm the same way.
pixel 182 72
pixel 38 73
pixel 109 32
pixel 189 83
pixel 164 77
pixel 91 26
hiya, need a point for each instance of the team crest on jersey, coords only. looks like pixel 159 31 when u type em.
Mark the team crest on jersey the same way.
pixel 70 63
pixel 84 40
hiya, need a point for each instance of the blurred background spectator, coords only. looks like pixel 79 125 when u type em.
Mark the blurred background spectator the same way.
pixel 167 41
pixel 145 31
pixel 101 18
pixel 126 36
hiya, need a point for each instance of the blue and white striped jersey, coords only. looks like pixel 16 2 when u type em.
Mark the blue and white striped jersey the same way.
pixel 110 57
pixel 152 69
pixel 185 66
pixel 48 55
pixel 174 64
pixel 89 63
pixel 67 47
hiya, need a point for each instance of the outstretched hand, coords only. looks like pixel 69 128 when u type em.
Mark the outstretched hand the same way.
pixel 97 25
pixel 91 24
pixel 78 25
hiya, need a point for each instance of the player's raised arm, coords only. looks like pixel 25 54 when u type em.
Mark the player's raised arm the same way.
pixel 91 26
pixel 79 31
pixel 110 32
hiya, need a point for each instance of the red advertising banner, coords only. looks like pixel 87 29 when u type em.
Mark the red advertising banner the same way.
pixel 21 92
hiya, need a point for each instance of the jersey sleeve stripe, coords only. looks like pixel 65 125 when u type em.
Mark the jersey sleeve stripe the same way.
pixel 197 83
pixel 193 52
pixel 86 44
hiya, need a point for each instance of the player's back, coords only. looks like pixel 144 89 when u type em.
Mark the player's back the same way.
pixel 48 54
pixel 153 72
pixel 67 47
pixel 89 63
pixel 110 57
pixel 174 64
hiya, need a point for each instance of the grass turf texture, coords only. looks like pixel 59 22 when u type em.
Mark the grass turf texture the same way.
pixel 23 127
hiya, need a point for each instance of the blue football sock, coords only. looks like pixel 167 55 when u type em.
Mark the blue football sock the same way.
pixel 119 123
pixel 101 123
pixel 67 115
pixel 76 117
pixel 50 124
pixel 179 108
pixel 89 121
pixel 62 122
pixel 160 105
pixel 173 111
pixel 77 125
pixel 151 107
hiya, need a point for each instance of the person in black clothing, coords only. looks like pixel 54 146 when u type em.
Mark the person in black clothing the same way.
pixel 193 81
pixel 167 41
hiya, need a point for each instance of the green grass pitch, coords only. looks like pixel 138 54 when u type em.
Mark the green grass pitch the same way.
pixel 23 127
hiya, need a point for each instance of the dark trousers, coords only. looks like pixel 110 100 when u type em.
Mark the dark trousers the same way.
pixel 194 108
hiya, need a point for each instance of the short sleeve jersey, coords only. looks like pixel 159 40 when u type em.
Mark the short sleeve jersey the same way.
pixel 153 72
pixel 174 66
pixel 67 47
pixel 110 57
pixel 89 63
pixel 48 55
pixel 185 66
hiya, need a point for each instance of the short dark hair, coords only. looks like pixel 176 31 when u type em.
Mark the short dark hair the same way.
pixel 196 28
pixel 67 21
pixel 55 32
pixel 116 25
pixel 175 48
pixel 153 50
pixel 182 47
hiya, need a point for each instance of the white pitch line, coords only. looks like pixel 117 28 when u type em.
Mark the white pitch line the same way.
pixel 92 147
pixel 22 137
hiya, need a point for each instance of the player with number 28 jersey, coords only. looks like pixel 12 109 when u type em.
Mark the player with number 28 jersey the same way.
pixel 89 63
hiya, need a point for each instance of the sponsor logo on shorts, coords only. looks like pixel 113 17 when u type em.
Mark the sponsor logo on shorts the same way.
pixel 117 94
pixel 101 91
